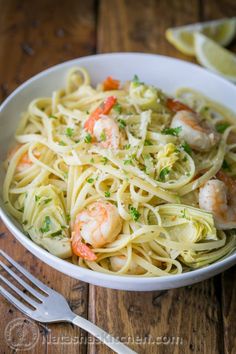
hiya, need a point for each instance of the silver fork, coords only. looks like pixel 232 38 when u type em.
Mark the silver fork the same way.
pixel 52 307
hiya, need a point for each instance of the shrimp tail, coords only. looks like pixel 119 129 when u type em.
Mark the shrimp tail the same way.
pixel 104 108
pixel 81 249
pixel 176 106
pixel 110 84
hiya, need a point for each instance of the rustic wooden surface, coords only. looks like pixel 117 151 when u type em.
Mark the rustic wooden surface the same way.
pixel 37 34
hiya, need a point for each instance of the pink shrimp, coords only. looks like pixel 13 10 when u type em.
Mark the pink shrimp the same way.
pixel 97 225
pixel 102 127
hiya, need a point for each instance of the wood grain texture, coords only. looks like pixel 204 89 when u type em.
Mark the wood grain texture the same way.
pixel 184 320
pixel 33 36
pixel 130 25
pixel 229 310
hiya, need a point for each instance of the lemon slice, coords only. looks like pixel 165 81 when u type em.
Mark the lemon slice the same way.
pixel 214 57
pixel 221 31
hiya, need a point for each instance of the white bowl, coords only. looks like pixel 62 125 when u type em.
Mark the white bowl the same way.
pixel 166 73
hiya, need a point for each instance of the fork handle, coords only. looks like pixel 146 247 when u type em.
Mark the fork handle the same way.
pixel 103 336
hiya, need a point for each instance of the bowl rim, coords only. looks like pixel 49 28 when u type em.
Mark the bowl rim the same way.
pixel 215 267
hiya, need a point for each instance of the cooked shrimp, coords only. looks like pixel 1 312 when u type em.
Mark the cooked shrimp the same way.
pixel 106 132
pixel 218 196
pixel 117 262
pixel 103 128
pixel 110 84
pixel 198 136
pixel 97 225
pixel 103 109
pixel 24 161
pixel 176 106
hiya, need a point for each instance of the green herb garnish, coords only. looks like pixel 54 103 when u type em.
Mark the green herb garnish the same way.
pixel 88 138
pixel 164 172
pixel 37 197
pixel 127 146
pixel 122 123
pixel 128 162
pixel 56 233
pixel 220 128
pixel 25 222
pixel 46 225
pixel 104 160
pixel 62 143
pixel 52 117
pixel 90 180
pixel 147 142
pixel 47 200
pixel 226 166
pixel 107 194
pixel 171 131
pixel 136 80
pixel 117 108
pixel 134 213
pixel 69 132
pixel 186 148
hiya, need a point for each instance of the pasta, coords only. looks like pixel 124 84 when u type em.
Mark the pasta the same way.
pixel 120 178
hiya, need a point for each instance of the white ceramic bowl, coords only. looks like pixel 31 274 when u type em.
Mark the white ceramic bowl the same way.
pixel 164 72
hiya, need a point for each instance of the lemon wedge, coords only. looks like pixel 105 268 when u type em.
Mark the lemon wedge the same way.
pixel 222 31
pixel 214 57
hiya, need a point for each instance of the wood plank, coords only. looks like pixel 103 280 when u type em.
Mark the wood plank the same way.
pixel 229 309
pixel 191 315
pixel 185 320
pixel 140 25
pixel 33 36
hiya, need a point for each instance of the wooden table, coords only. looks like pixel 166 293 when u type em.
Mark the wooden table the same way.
pixel 37 34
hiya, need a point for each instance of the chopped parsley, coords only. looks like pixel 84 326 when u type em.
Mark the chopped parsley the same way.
pixel 21 209
pixel 56 233
pixel 127 146
pixel 164 172
pixel 47 200
pixel 117 108
pixel 122 123
pixel 221 127
pixel 52 117
pixel 128 162
pixel 134 213
pixel 107 194
pixel 69 132
pixel 88 138
pixel 104 160
pixel 46 225
pixel 37 197
pixel 171 131
pixel 136 80
pixel 68 218
pixel 147 142
pixel 226 166
pixel 103 136
pixel 62 143
pixel 92 160
pixel 25 222
pixel 186 148
pixel 90 180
